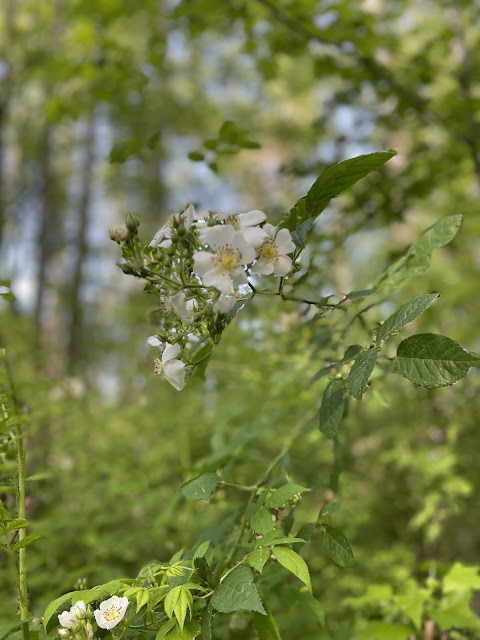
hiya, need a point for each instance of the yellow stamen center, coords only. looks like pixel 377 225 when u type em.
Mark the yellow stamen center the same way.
pixel 228 258
pixel 268 250
pixel 157 366
pixel 234 221
pixel 113 613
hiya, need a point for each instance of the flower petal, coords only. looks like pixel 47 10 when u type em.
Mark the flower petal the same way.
pixel 153 341
pixel 164 232
pixel 269 229
pixel 284 242
pixel 263 266
pixel 203 261
pixel 283 265
pixel 251 218
pixel 224 304
pixel 248 252
pixel 219 236
pixel 171 352
pixel 218 278
pixel 188 216
pixel 174 372
pixel 239 275
pixel 99 618
pixel 254 236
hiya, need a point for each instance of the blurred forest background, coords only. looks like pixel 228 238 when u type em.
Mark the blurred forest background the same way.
pixel 105 106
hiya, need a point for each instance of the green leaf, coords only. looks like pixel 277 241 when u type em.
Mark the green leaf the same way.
pixel 27 541
pixel 183 604
pixel 331 409
pixel 201 488
pixel 266 626
pixel 165 628
pixel 331 183
pixel 294 563
pixel 284 494
pixel 432 360
pixel 404 315
pixel 196 156
pixel 275 537
pixel 8 296
pixel 237 593
pixel 383 631
pixel 338 548
pixel 461 577
pixel 18 523
pixel 308 601
pixel 5 283
pixel 143 598
pixel 329 508
pixel 299 235
pixel 455 611
pixel 417 258
pixel 171 600
pixel 207 624
pixel 201 550
pixel 361 371
pixel 258 558
pixel 262 522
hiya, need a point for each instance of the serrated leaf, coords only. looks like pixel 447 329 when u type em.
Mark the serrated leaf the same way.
pixel 285 493
pixel 404 315
pixel 203 569
pixel 266 626
pixel 18 523
pixel 275 537
pixel 258 558
pixel 361 371
pixel 171 600
pixel 201 488
pixel 237 593
pixel 27 541
pixel 329 508
pixel 331 183
pixel 331 409
pixel 294 563
pixel 461 577
pixel 143 598
pixel 432 360
pixel 183 604
pixel 206 633
pixel 262 522
pixel 201 550
pixel 300 234
pixel 338 548
pixel 164 629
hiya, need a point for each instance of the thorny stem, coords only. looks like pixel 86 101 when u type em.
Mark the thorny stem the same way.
pixel 22 587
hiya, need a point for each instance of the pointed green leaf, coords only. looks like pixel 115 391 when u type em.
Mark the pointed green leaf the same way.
pixel 171 600
pixel 201 488
pixel 404 315
pixel 258 558
pixel 331 409
pixel 338 548
pixel 143 598
pixel 432 360
pixel 28 540
pixel 164 629
pixel 237 593
pixel 361 371
pixel 18 523
pixel 275 537
pixel 266 626
pixel 201 550
pixel 294 563
pixel 284 494
pixel 461 577
pixel 262 522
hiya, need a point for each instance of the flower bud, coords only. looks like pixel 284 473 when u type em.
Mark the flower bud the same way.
pixel 76 626
pixel 89 629
pixel 89 612
pixel 64 633
pixel 132 223
pixel 119 235
pixel 80 614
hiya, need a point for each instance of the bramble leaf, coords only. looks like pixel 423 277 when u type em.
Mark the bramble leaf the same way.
pixel 237 593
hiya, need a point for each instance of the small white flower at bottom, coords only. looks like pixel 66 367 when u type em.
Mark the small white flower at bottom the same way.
pixel 172 369
pixel 67 618
pixel 110 612
pixel 271 254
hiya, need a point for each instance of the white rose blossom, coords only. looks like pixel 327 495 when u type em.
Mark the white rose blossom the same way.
pixel 110 612
pixel 272 256
pixel 67 618
pixel 244 222
pixel 163 237
pixel 226 266
pixel 172 369
pixel 224 304
pixel 184 310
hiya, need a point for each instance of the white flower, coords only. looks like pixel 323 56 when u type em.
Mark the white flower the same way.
pixel 227 265
pixel 244 222
pixel 163 237
pixel 172 369
pixel 224 304
pixel 272 256
pixel 184 310
pixel 67 618
pixel 110 612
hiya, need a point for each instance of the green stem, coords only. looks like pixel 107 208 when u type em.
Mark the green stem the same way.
pixel 22 587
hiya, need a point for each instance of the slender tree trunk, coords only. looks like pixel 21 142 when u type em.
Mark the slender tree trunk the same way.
pixel 75 290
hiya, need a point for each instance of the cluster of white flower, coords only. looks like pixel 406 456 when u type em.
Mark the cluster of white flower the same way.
pixel 76 623
pixel 199 266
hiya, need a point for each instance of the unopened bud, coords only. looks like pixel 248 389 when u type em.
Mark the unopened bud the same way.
pixel 119 235
pixel 132 223
pixel 64 633
pixel 89 612
pixel 89 628
pixel 76 626
pixel 80 614
pixel 90 634
pixel 174 571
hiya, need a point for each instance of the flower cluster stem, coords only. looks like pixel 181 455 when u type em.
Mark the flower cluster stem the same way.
pixel 22 588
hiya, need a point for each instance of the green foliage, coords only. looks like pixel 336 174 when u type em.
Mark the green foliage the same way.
pixel 238 593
